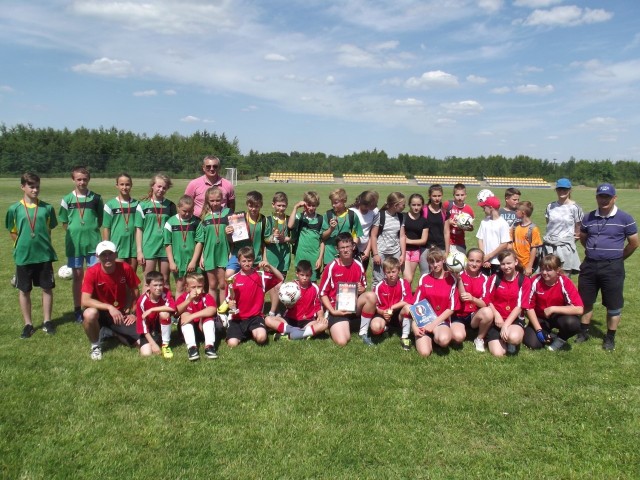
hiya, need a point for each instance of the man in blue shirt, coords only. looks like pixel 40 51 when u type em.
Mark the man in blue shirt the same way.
pixel 609 236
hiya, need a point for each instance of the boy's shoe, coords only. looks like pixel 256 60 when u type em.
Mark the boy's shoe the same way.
pixel 14 282
pixel 224 319
pixel 479 344
pixel 609 343
pixel 27 331
pixel 96 353
pixel 49 327
pixel 78 315
pixel 582 337
pixel 406 344
pixel 174 320
pixel 511 349
pixel 193 354
pixel 210 352
pixel 556 345
pixel 280 336
pixel 366 339
pixel 166 351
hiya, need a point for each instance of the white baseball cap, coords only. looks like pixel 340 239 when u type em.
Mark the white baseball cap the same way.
pixel 105 246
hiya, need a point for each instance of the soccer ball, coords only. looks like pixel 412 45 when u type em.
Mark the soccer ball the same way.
pixel 464 220
pixel 65 272
pixel 484 194
pixel 289 294
pixel 456 261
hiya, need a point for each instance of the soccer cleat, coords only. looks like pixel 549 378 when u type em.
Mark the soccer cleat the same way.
pixel 14 282
pixel 193 354
pixel 78 315
pixel 280 336
pixel 366 339
pixel 166 351
pixel 609 343
pixel 406 344
pixel 556 345
pixel 479 344
pixel 210 352
pixel 49 327
pixel 96 353
pixel 511 349
pixel 582 337
pixel 27 331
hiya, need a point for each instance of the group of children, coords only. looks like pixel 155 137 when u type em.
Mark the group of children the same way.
pixel 221 282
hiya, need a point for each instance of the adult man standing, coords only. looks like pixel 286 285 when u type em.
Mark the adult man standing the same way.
pixel 198 187
pixel 603 234
pixel 109 293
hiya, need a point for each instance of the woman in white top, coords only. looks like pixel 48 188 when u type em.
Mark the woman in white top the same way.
pixel 366 208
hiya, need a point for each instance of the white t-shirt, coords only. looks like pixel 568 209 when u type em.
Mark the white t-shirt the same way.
pixel 366 221
pixel 562 219
pixel 493 233
pixel 389 239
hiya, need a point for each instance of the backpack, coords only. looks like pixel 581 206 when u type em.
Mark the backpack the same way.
pixel 499 279
pixel 529 237
pixel 382 220
pixel 351 217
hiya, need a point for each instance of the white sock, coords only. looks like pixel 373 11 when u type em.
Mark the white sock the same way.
pixel 364 325
pixel 406 327
pixel 209 329
pixel 166 333
pixel 308 331
pixel 189 335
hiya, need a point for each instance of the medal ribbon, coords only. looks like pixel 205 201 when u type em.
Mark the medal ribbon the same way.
pixel 158 212
pixel 32 224
pixel 184 231
pixel 84 205
pixel 126 217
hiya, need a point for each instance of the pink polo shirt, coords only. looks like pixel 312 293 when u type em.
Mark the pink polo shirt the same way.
pixel 198 187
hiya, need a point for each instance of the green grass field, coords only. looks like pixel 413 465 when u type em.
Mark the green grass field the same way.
pixel 310 409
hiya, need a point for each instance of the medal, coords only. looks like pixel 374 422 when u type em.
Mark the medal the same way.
pixel 126 229
pixel 507 308
pixel 184 245
pixel 33 235
pixel 82 223
pixel 437 307
pixel 390 312
pixel 115 304
pixel 217 240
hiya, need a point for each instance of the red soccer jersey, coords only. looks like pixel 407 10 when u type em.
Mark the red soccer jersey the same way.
pixel 249 292
pixel 477 287
pixel 457 234
pixel 145 303
pixel 387 295
pixel 441 293
pixel 110 288
pixel 509 295
pixel 560 294
pixel 307 306
pixel 335 273
pixel 198 305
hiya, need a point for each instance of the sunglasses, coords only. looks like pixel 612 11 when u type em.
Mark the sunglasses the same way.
pixel 211 167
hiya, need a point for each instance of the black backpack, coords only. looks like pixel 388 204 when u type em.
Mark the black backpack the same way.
pixel 382 220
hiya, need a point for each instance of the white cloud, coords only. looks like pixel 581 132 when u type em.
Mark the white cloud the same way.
pixel 190 119
pixel 567 16
pixel 275 57
pixel 6 89
pixel 356 57
pixel 608 138
pixel 409 102
pixel 599 123
pixel 476 79
pixel 552 137
pixel 445 122
pixel 250 108
pixel 468 107
pixel 105 66
pixel 170 92
pixel 535 3
pixel 145 93
pixel 490 6
pixel 436 78
pixel 500 90
pixel 532 69
pixel 626 73
pixel 330 80
pixel 534 89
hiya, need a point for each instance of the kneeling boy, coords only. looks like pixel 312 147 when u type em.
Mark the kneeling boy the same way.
pixel 197 308
pixel 153 312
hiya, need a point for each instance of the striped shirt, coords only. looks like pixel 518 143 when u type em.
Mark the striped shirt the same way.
pixel 606 235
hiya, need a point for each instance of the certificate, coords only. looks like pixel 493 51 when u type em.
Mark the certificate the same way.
pixel 422 313
pixel 347 297
pixel 240 228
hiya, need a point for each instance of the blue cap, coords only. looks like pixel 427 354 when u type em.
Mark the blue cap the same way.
pixel 606 189
pixel 563 183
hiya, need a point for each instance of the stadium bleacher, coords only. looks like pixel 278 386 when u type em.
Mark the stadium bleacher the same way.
pixel 301 177
pixel 519 182
pixel 447 180
pixel 376 179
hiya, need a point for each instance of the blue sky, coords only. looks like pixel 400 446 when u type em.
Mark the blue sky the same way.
pixel 545 78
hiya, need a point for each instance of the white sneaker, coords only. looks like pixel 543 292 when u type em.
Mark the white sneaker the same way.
pixel 96 353
pixel 556 345
pixel 479 343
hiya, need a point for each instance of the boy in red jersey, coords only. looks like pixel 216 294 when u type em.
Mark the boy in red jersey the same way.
pixel 393 295
pixel 454 208
pixel 305 318
pixel 195 307
pixel 153 312
pixel 348 270
pixel 246 296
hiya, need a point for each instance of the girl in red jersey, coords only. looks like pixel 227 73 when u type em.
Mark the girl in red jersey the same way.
pixel 555 303
pixel 473 288
pixel 508 298
pixel 439 288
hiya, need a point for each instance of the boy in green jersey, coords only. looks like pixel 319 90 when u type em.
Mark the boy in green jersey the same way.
pixel 306 232
pixel 336 221
pixel 277 238
pixel 255 226
pixel 81 214
pixel 29 222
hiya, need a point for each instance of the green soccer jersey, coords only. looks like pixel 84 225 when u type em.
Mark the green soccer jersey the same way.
pixel 309 236
pixel 278 254
pixel 83 216
pixel 32 225
pixel 215 251
pixel 151 216
pixel 119 218
pixel 181 235
pixel 256 237
pixel 346 223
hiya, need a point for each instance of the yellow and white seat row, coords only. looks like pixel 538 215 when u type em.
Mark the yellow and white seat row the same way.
pixel 447 180
pixel 517 182
pixel 375 179
pixel 301 177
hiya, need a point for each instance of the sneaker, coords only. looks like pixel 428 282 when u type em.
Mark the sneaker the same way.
pixel 78 315
pixel 224 319
pixel 511 349
pixel 193 354
pixel 556 345
pixel 280 336
pixel 366 339
pixel 96 353
pixel 582 337
pixel 166 351
pixel 609 343
pixel 210 352
pixel 49 327
pixel 406 344
pixel 479 343
pixel 27 331
pixel 14 282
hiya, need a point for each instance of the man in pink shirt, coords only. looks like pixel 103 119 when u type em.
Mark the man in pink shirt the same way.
pixel 198 187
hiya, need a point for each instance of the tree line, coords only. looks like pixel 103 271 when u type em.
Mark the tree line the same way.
pixel 51 152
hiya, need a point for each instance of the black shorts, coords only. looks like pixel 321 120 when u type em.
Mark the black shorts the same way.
pixel 337 319
pixel 298 323
pixel 241 329
pixel 35 275
pixel 127 331
pixel 494 332
pixel 466 320
pixel 606 276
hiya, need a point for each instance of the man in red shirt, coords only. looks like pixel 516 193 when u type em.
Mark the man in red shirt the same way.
pixel 109 294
